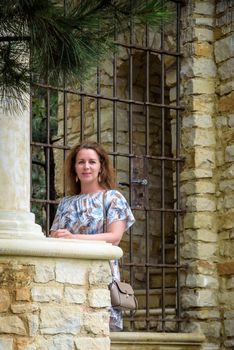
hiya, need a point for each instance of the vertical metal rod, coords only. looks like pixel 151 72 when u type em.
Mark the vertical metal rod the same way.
pixel 65 103
pixel 114 105
pixel 130 95
pixel 98 105
pixel 31 131
pixel 162 220
pixel 178 301
pixel 47 160
pixel 147 242
pixel 81 114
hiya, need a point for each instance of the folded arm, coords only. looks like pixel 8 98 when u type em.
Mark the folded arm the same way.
pixel 113 235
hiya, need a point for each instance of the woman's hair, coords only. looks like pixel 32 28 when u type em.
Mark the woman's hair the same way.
pixel 106 176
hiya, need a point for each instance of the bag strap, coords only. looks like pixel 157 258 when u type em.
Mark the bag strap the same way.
pixel 104 212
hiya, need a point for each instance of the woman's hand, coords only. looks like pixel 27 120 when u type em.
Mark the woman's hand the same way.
pixel 61 233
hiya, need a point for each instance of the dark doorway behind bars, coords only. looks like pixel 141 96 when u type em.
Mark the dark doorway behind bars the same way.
pixel 131 105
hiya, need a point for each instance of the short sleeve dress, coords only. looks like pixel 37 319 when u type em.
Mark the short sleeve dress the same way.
pixel 83 214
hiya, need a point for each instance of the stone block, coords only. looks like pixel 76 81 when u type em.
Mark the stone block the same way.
pixel 230 285
pixel 97 323
pixel 199 220
pixel 226 186
pixel 204 34
pixel 225 87
pixel 45 294
pixel 33 324
pixel 226 70
pixel 231 119
pixel 211 329
pixel 94 343
pixel 202 235
pixel 74 295
pixel 6 344
pixel 202 281
pixel 226 103
pixel 202 102
pixel 198 67
pixel 199 137
pixel 71 272
pixel 199 298
pixel 226 268
pixel 201 86
pixel 226 298
pixel 197 120
pixel 224 48
pixel 44 273
pixel 99 298
pixel 196 174
pixel 12 325
pixel 203 49
pixel 60 320
pixel 57 342
pixel 229 328
pixel 23 294
pixel 228 202
pixel 5 300
pixel 100 274
pixel 229 172
pixel 199 250
pixel 21 308
pixel 204 8
pixel 229 153
pixel 200 204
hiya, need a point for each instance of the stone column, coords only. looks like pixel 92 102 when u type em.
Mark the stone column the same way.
pixel 15 217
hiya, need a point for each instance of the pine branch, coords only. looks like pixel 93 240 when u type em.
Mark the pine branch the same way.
pixel 60 42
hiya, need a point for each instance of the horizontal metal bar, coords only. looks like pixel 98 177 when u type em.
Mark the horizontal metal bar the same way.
pixel 112 99
pixel 148 48
pixel 43 201
pixel 176 266
pixel 42 144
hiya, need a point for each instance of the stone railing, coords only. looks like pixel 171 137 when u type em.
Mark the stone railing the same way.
pixel 54 294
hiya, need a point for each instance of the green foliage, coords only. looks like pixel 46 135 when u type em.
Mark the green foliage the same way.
pixel 39 134
pixel 63 42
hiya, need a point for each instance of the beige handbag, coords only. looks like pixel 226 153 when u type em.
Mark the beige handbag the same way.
pixel 121 293
pixel 122 296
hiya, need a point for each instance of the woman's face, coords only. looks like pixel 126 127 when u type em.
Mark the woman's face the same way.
pixel 87 166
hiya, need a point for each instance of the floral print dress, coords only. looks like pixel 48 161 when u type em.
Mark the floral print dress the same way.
pixel 83 214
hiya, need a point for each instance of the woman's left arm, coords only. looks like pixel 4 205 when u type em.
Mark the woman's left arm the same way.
pixel 113 235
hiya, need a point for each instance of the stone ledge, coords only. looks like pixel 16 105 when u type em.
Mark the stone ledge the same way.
pixel 54 247
pixel 147 340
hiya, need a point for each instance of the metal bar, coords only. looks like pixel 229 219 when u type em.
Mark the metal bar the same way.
pixel 156 265
pixel 47 156
pixel 130 147
pixel 81 115
pixel 107 98
pixel 98 106
pixel 162 219
pixel 147 238
pixel 177 223
pixel 146 48
pixel 114 147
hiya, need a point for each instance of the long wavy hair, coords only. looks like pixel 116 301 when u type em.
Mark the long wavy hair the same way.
pixel 106 176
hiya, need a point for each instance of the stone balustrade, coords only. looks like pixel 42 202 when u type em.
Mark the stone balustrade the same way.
pixel 54 294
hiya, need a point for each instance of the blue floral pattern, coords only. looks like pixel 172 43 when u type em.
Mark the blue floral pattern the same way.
pixel 83 214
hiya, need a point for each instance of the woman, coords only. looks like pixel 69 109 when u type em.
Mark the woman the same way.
pixel 90 182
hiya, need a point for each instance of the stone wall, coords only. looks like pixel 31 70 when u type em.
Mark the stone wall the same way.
pixel 55 304
pixel 207 177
